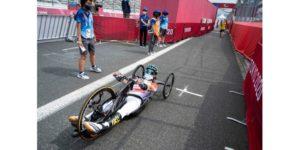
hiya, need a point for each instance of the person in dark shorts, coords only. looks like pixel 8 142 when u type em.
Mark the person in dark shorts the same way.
pixel 164 22
pixel 86 37
pixel 154 31
pixel 126 8
pixel 144 23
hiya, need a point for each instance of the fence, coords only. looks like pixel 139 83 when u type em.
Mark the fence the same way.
pixel 115 5
pixel 55 27
pixel 248 10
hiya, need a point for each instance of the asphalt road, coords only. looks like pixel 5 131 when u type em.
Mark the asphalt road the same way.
pixel 204 65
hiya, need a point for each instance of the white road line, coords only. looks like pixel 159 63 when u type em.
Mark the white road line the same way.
pixel 235 92
pixel 238 121
pixel 228 148
pixel 185 91
pixel 64 101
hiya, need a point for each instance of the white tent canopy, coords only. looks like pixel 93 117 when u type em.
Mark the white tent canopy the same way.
pixel 221 17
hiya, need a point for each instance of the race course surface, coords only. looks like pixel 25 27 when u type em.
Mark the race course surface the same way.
pixel 193 117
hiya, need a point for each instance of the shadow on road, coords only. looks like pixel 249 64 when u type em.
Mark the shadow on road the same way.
pixel 65 140
pixel 140 51
pixel 60 71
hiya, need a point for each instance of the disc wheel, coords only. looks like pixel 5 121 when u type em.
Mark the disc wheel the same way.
pixel 91 110
pixel 167 89
pixel 139 72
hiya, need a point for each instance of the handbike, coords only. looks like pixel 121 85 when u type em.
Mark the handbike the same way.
pixel 104 102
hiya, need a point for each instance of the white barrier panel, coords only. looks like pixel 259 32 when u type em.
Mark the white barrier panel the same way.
pixel 55 27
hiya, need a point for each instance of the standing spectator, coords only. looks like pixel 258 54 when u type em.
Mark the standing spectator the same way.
pixel 222 27
pixel 144 23
pixel 126 8
pixel 217 23
pixel 164 22
pixel 86 37
pixel 154 31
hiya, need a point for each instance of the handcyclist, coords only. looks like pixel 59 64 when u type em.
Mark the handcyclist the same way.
pixel 142 88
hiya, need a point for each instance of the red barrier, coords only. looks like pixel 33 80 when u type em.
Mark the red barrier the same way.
pixel 110 28
pixel 178 33
pixel 187 30
pixel 171 33
pixel 197 30
pixel 245 36
pixel 247 39
pixel 253 97
pixel 202 29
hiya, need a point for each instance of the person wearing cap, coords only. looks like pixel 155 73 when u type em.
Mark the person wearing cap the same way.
pixel 164 22
pixel 86 37
pixel 144 23
pixel 154 30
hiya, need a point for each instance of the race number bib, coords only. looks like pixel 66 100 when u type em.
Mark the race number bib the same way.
pixel 88 33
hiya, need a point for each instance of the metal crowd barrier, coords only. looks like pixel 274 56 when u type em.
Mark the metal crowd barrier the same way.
pixel 51 27
pixel 248 10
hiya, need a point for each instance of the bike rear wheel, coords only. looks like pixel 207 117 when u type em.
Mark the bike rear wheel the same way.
pixel 95 108
pixel 168 85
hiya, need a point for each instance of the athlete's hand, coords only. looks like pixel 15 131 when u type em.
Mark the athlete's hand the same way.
pixel 117 73
pixel 79 43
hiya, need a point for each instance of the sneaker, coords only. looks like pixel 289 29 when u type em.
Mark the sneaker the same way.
pixel 95 69
pixel 93 128
pixel 148 53
pixel 160 45
pixel 83 76
pixel 164 45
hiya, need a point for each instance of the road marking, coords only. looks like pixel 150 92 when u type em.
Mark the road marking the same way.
pixel 235 92
pixel 186 91
pixel 66 49
pixel 235 120
pixel 122 42
pixel 64 101
pixel 183 91
pixel 228 148
pixel 48 54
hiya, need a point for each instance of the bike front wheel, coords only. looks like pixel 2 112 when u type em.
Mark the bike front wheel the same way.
pixel 96 107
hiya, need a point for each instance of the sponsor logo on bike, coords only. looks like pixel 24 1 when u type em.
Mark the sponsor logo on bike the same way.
pixel 115 121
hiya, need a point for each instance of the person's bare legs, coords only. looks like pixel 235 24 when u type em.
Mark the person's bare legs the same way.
pixel 163 39
pixel 82 62
pixel 92 58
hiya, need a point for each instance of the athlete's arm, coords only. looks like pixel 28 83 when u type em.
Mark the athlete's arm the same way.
pixel 79 40
pixel 153 87
pixel 144 22
pixel 95 40
pixel 120 77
